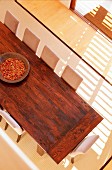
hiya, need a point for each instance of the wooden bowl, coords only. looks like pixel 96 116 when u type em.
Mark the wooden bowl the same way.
pixel 18 56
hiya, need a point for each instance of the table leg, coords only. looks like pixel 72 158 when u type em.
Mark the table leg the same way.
pixel 40 151
pixel 0 118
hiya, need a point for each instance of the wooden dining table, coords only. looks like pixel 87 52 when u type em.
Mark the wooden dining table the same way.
pixel 44 104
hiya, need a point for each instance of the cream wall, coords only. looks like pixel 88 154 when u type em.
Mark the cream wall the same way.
pixel 92 160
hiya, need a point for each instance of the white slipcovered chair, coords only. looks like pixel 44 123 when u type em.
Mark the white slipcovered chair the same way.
pixel 83 146
pixel 49 57
pixel 11 22
pixel 71 77
pixel 12 122
pixel 30 39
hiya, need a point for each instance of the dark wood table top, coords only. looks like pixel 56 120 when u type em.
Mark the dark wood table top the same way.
pixel 44 105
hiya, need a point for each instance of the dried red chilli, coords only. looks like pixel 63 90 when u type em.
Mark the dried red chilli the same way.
pixel 12 69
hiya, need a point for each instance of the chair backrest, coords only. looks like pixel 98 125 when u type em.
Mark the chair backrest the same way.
pixel 11 121
pixel 11 22
pixel 30 39
pixel 84 146
pixel 49 57
pixel 71 77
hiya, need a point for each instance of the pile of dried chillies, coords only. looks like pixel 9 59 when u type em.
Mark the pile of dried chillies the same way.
pixel 12 69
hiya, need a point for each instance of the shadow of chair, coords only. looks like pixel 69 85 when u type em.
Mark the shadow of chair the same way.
pixel 71 77
pixel 83 146
pixel 101 19
pixel 12 122
pixel 11 22
pixel 49 57
pixel 30 39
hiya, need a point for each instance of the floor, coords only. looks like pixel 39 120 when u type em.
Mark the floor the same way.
pixel 28 146
pixel 85 6
pixel 76 33
pixel 12 153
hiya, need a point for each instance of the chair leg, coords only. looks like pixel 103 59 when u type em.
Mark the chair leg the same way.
pixel 18 138
pixel 72 160
pixel 0 118
pixel 6 126
pixel 40 151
